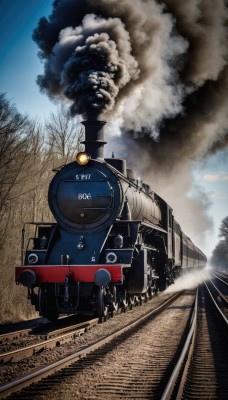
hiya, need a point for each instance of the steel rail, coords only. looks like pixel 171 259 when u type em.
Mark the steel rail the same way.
pixel 19 354
pixel 173 378
pixel 216 305
pixel 27 331
pixel 4 337
pixel 220 279
pixel 18 384
pixel 187 349
pixel 218 291
pixel 179 394
pixel 187 353
pixel 85 324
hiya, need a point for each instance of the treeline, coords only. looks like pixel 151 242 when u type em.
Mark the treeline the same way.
pixel 219 257
pixel 29 151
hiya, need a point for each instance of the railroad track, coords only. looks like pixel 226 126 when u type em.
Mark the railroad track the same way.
pixel 15 335
pixel 39 326
pixel 223 275
pixel 219 289
pixel 52 339
pixel 201 372
pixel 47 330
pixel 174 359
pixel 94 354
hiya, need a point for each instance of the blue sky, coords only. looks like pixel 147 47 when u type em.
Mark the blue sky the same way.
pixel 212 175
pixel 20 66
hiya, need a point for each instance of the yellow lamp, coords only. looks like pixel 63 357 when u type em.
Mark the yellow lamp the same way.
pixel 82 158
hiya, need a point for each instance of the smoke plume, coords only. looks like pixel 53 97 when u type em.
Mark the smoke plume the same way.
pixel 159 68
pixel 102 54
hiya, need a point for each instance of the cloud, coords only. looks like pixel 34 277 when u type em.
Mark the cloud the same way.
pixel 219 196
pixel 219 177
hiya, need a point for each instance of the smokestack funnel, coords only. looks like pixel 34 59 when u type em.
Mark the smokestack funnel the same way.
pixel 94 138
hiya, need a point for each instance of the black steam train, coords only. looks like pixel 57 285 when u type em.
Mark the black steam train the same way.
pixel 114 241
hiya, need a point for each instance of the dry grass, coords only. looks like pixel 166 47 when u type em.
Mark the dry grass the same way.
pixel 15 306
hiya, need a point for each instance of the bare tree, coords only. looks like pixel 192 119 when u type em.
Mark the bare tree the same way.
pixel 219 257
pixel 224 229
pixel 13 143
pixel 28 154
pixel 11 121
pixel 22 170
pixel 64 135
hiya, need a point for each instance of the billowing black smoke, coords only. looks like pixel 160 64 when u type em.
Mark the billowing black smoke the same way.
pixel 98 53
pixel 89 64
pixel 158 68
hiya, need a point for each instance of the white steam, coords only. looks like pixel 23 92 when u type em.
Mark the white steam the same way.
pixel 189 280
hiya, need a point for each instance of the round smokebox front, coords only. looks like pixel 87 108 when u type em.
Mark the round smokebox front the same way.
pixel 81 198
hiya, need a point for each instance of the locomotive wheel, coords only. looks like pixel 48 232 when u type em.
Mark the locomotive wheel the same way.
pixel 42 302
pixel 52 314
pixel 162 283
pixel 131 301
pixel 123 302
pixel 140 301
pixel 47 305
pixel 115 304
pixel 137 302
pixel 146 297
pixel 155 288
pixel 102 310
pixel 150 292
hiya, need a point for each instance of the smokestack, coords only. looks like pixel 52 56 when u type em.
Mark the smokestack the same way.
pixel 94 138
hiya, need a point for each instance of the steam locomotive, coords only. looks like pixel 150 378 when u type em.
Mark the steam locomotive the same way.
pixel 114 241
